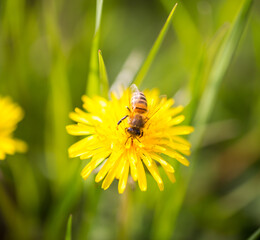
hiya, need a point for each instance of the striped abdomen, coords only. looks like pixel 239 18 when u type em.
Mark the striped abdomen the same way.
pixel 139 102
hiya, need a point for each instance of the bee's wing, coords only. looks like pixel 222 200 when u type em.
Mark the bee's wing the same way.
pixel 134 88
pixel 157 108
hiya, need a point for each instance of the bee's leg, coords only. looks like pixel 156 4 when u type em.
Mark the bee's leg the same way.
pixel 128 109
pixel 142 133
pixel 127 140
pixel 146 119
pixel 122 119
pixel 148 125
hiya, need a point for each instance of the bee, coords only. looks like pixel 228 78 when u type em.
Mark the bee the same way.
pixel 137 114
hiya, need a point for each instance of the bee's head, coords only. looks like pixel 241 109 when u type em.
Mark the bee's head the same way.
pixel 134 131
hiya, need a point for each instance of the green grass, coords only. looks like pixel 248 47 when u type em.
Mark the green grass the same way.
pixel 206 56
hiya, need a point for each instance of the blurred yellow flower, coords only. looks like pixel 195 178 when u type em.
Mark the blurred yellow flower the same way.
pixel 10 115
pixel 108 145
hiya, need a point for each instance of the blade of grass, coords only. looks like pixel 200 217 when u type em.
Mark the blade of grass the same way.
pixel 104 85
pixel 255 235
pixel 68 232
pixel 57 140
pixel 93 83
pixel 202 70
pixel 169 212
pixel 155 48
pixel 219 68
pixel 65 184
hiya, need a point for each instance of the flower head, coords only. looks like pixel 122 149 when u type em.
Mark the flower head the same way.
pixel 117 151
pixel 10 115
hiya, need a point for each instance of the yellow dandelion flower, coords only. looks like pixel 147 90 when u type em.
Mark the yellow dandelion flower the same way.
pixel 10 115
pixel 116 151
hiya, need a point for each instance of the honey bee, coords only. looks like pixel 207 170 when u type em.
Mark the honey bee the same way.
pixel 137 114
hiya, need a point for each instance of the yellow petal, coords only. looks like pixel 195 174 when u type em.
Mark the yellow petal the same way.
pixel 8 145
pixel 83 146
pixel 176 110
pixel 90 153
pixel 102 102
pixel 132 160
pixel 80 116
pixel 159 183
pixel 164 164
pixel 108 165
pixel 90 167
pixel 121 165
pixel 80 129
pixel 95 104
pixel 170 176
pixel 158 148
pixel 20 146
pixel 95 101
pixel 177 120
pixel 168 103
pixel 123 179
pixel 111 174
pixel 96 160
pixel 181 140
pixel 174 145
pixel 177 156
pixel 2 155
pixel 96 118
pixel 181 130
pixel 142 182
pixel 185 152
pixel 151 166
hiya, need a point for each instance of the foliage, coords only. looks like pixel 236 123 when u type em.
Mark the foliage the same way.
pixel 209 61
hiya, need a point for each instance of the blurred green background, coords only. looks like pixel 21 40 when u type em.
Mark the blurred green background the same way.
pixel 45 51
